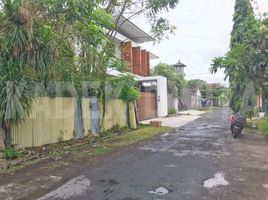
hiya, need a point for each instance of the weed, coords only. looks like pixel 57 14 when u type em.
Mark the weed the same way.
pixel 11 153
pixel 260 124
pixel 172 111
pixel 60 138
pixel 99 151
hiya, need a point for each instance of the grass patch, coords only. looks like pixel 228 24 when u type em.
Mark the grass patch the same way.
pixel 15 168
pixel 123 140
pixel 99 151
pixel 261 125
pixel 139 135
pixel 172 111
pixel 206 109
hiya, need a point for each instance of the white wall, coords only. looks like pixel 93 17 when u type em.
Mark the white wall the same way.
pixel 162 99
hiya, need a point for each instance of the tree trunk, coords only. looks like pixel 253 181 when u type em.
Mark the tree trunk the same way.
pixel 7 134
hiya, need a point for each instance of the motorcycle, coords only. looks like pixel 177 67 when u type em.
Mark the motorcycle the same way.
pixel 237 124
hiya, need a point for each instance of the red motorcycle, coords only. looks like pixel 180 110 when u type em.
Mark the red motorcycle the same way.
pixel 237 124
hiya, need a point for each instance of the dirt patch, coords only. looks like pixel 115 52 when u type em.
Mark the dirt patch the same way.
pixel 246 168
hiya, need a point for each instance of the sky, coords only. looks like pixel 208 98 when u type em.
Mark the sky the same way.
pixel 203 33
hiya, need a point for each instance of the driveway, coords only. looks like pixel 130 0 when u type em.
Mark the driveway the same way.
pixel 179 120
pixel 198 161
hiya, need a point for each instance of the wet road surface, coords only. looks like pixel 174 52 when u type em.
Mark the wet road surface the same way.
pixel 195 162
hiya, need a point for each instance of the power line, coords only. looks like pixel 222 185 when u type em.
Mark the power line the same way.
pixel 199 74
pixel 202 38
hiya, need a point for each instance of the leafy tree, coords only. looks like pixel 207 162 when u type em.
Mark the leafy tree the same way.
pixel 16 47
pixel 52 41
pixel 197 83
pixel 49 41
pixel 175 81
pixel 246 62
pixel 150 9
pixel 247 59
pixel 243 9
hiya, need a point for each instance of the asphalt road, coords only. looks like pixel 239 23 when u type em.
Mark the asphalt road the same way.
pixel 199 161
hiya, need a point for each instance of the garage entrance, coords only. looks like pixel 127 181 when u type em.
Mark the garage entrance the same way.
pixel 147 104
pixel 147 108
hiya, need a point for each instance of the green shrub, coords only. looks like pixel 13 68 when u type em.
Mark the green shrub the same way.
pixel 11 153
pixel 263 125
pixel 172 111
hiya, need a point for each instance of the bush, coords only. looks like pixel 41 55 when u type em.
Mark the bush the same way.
pixel 11 153
pixel 172 111
pixel 262 125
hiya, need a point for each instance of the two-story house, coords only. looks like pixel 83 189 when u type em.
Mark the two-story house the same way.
pixel 129 37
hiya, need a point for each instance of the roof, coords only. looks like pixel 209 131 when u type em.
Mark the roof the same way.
pixel 153 56
pixel 132 31
pixel 179 64
pixel 214 85
pixel 152 78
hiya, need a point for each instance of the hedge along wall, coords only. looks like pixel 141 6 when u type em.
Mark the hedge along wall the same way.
pixel 51 120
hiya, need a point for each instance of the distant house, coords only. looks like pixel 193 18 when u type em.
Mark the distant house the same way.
pixel 129 37
pixel 212 101
pixel 196 98
pixel 191 98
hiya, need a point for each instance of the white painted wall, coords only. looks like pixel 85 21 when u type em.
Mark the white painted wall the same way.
pixel 162 99
pixel 176 103
pixel 198 99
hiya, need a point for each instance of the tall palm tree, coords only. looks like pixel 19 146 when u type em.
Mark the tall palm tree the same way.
pixel 16 45
pixel 16 97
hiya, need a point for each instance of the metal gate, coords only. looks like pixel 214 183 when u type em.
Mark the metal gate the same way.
pixel 147 106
